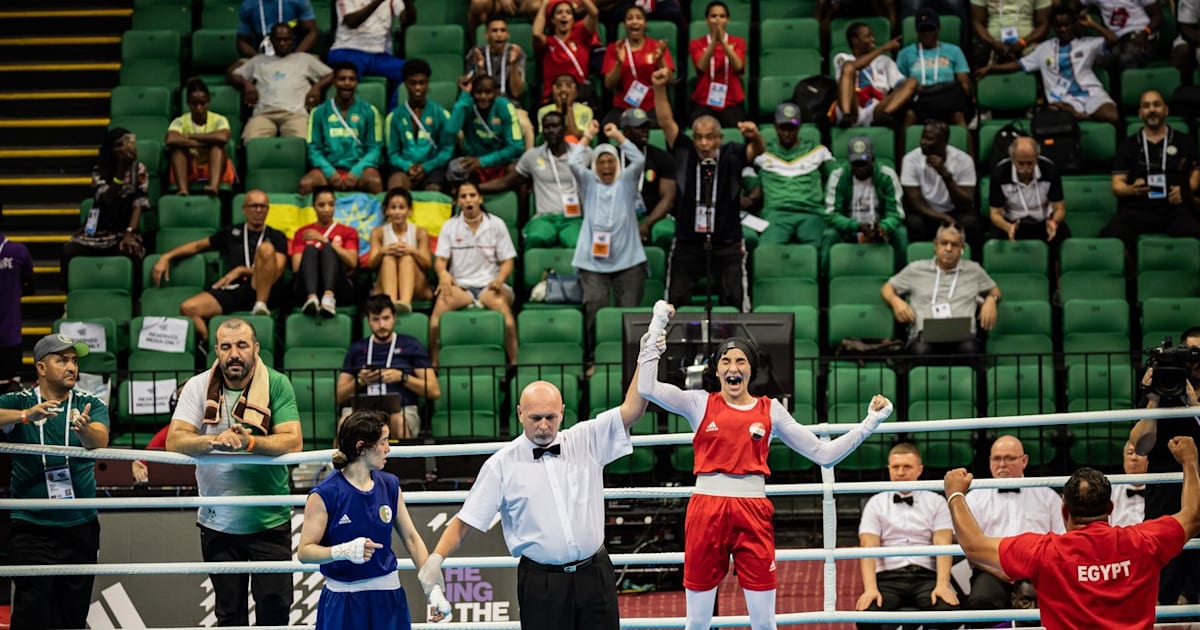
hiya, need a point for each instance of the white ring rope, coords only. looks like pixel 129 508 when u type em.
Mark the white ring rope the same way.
pixel 668 439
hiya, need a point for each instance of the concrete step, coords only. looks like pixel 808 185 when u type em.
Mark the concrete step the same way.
pixel 46 305
pixel 60 48
pixel 37 132
pixel 44 189
pixel 45 19
pixel 58 160
pixel 55 103
pixel 60 74
pixel 62 217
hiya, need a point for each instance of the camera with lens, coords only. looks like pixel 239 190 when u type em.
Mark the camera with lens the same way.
pixel 1172 366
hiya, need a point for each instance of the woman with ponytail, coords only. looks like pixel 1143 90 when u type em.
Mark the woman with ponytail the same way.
pixel 348 523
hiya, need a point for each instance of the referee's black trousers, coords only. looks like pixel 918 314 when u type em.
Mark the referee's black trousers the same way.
pixel 583 600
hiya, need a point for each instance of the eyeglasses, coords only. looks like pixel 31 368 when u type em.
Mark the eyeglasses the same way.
pixel 257 205
pixel 1006 459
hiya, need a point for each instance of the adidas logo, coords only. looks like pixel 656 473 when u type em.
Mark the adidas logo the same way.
pixel 345 520
pixel 712 426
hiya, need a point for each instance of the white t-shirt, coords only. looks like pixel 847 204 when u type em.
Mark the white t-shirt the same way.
pixel 882 73
pixel 1123 16
pixel 900 525
pixel 552 178
pixel 552 508
pixel 374 34
pixel 1187 11
pixel 915 171
pixel 475 257
pixel 1045 58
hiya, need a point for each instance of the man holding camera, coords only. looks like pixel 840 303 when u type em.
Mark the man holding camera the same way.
pixel 1150 437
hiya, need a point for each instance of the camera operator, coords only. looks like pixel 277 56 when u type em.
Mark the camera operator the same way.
pixel 1150 438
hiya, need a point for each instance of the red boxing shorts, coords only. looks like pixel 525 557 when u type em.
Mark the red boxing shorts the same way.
pixel 717 527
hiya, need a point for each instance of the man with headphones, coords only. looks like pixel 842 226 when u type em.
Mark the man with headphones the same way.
pixel 729 512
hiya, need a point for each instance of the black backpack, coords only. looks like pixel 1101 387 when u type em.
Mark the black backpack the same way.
pixel 1058 134
pixel 1001 141
pixel 814 96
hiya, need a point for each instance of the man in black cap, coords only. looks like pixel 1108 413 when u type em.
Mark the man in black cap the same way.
pixel 708 231
pixel 942 74
pixel 863 204
pixel 657 187
pixel 54 413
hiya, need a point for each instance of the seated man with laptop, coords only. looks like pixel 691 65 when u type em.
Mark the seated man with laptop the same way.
pixel 388 371
pixel 945 296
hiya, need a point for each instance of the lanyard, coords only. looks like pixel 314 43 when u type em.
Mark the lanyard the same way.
pixel 327 231
pixel 570 55
pixel 337 110
pixel 937 281
pixel 700 182
pixel 371 350
pixel 246 244
pixel 1037 193
pixel 483 121
pixel 554 168
pixel 487 56
pixel 417 119
pixel 712 62
pixel 629 58
pixel 1163 152
pixel 262 16
pixel 921 54
pixel 66 423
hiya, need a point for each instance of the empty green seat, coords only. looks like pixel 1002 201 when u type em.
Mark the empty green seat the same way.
pixel 1167 317
pixel 1006 93
pixel 192 211
pixel 1100 386
pixel 469 338
pixel 1022 328
pixel 790 33
pixel 1092 268
pixel 317 332
pixel 805 319
pixel 108 273
pixel 1168 267
pixel 609 333
pixel 275 164
pixel 1135 81
pixel 150 44
pixel 867 321
pixel 151 72
pixel 1099 143
pixel 128 100
pixel 421 40
pixel 1092 203
pixel 214 50
pixel 468 407
pixel 317 404
pixel 775 89
pixel 163 15
pixel 1018 267
pixel 850 389
pixel 785 274
pixel 1095 331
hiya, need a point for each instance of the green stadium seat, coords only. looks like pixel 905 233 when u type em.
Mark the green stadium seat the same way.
pixel 163 15
pixel 535 262
pixel 107 273
pixel 1167 267
pixel 785 274
pixel 264 331
pixel 1100 386
pixel 610 333
pixel 468 407
pixel 137 323
pixel 302 331
pixel 275 164
pixel 951 30
pixel 883 138
pixel 151 72
pixel 1092 268
pixel 214 50
pixel 316 400
pixel 159 373
pixel 190 273
pixel 867 321
pixel 150 44
pixel 939 393
pixel 987 136
pixel 1022 328
pixel 1099 328
pixel 773 90
pixel 1018 267
pixel 1092 203
pixel 470 338
pixel 151 101
pixel 325 360
pixel 851 259
pixel 912 137
pixel 789 33
pixel 219 14
pixel 805 320
pixel 170 238
pixel 427 39
pixel 551 343
pixel 850 389
pixel 1135 81
pixel 155 302
pixel 192 211
pixel 1006 94
pixel 1098 140
pixel 769 11
pixel 1015 390
pixel 1167 317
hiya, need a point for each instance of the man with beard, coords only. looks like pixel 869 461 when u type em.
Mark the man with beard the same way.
pixel 241 406
pixel 54 413
pixel 557 215
pixel 1154 179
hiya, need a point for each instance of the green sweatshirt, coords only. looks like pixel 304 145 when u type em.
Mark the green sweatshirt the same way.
pixel 839 213
pixel 493 136
pixel 331 145
pixel 408 144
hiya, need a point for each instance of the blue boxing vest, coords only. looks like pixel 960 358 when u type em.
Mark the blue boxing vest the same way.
pixel 353 513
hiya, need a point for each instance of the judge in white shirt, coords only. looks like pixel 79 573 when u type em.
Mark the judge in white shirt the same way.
pixel 902 518
pixel 548 487
pixel 1008 512
pixel 1129 500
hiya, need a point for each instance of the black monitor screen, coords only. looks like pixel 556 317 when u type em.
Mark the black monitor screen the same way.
pixel 691 338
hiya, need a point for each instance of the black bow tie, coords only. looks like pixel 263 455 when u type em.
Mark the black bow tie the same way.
pixel 1130 493
pixel 899 499
pixel 1005 490
pixel 553 449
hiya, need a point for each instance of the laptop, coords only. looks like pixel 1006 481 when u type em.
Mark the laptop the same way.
pixel 948 330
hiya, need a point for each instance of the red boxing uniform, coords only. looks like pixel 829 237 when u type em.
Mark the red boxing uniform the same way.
pixel 566 56
pixel 735 442
pixel 1099 577
pixel 640 65
pixel 720 70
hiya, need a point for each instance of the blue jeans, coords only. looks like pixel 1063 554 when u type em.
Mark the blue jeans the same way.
pixel 373 64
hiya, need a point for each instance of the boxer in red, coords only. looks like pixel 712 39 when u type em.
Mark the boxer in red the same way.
pixel 729 512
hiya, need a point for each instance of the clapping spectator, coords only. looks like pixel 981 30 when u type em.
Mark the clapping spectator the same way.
pixel 564 48
pixel 324 254
pixel 720 60
pixel 504 61
pixel 400 253
pixel 564 100
pixel 420 140
pixel 629 64
pixel 196 142
pixel 280 88
pixel 345 139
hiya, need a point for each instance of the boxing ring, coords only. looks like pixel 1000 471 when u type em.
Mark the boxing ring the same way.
pixel 828 488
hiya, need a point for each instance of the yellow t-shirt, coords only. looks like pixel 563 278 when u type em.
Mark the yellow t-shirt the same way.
pixel 213 123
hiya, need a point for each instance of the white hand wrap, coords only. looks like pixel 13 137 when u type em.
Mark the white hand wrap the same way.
pixel 875 417
pixel 654 343
pixel 439 602
pixel 662 316
pixel 430 575
pixel 352 551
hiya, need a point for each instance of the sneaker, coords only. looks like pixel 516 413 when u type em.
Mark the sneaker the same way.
pixel 260 308
pixel 328 306
pixel 402 308
pixel 311 305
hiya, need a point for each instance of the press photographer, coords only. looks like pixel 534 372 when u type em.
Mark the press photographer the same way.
pixel 1172 379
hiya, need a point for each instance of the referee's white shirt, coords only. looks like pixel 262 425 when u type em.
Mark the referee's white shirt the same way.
pixel 1004 514
pixel 1127 510
pixel 899 524
pixel 551 509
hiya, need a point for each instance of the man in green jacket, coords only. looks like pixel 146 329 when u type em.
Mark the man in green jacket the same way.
pixel 491 131
pixel 420 141
pixel 345 139
pixel 862 202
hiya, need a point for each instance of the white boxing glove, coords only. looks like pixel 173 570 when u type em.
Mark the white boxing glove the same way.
pixel 430 575
pixel 353 551
pixel 875 416
pixel 438 601
pixel 662 316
